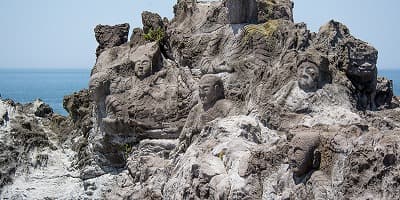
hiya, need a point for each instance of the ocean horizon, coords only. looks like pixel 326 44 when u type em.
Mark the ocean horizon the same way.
pixel 51 85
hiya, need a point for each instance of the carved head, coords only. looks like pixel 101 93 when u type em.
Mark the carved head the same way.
pixel 362 59
pixel 147 59
pixel 211 90
pixel 312 70
pixel 143 66
pixel 308 76
pixel 304 155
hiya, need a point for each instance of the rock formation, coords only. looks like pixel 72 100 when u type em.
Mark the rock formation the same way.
pixel 110 36
pixel 228 100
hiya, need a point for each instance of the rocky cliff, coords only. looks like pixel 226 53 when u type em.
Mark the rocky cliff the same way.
pixel 229 100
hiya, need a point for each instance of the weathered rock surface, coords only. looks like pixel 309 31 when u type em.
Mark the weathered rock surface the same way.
pixel 151 21
pixel 28 146
pixel 217 164
pixel 229 100
pixel 110 36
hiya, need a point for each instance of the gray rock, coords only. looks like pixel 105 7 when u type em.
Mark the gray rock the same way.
pixel 274 9
pixel 110 36
pixel 38 108
pixel 384 92
pixel 375 169
pixel 151 21
pixel 216 165
pixel 137 38
pixel 23 141
pixel 43 110
pixel 3 116
pixel 79 108
pixel 147 165
pixel 241 11
pixel 229 100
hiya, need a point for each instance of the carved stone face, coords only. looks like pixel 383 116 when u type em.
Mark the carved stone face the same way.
pixel 301 153
pixel 300 160
pixel 143 67
pixel 362 58
pixel 308 76
pixel 210 90
pixel 362 64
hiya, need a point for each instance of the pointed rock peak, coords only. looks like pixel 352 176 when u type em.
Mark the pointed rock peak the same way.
pixel 334 26
pixel 274 9
pixel 151 21
pixel 110 36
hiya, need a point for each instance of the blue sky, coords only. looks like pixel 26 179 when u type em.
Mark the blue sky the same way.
pixel 59 33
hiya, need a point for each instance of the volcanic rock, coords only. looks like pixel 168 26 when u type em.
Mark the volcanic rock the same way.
pixel 228 100
pixel 110 36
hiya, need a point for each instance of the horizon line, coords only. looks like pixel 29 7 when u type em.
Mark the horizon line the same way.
pixel 89 68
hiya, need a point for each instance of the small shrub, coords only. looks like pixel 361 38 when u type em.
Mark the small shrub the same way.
pixel 126 149
pixel 154 35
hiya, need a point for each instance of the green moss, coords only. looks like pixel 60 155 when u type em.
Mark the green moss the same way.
pixel 266 29
pixel 155 35
pixel 126 149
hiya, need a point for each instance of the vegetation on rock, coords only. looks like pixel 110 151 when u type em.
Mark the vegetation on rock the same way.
pixel 154 35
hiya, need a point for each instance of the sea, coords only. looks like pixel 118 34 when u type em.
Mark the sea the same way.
pixel 51 85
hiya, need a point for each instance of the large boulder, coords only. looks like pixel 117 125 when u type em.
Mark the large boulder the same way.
pixel 42 109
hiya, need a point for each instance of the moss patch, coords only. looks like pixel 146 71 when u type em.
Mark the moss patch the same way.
pixel 267 29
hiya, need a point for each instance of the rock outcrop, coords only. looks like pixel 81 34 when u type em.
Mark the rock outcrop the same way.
pixel 228 100
pixel 110 36
pixel 27 145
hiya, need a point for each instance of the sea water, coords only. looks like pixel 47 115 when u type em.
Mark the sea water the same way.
pixel 51 85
